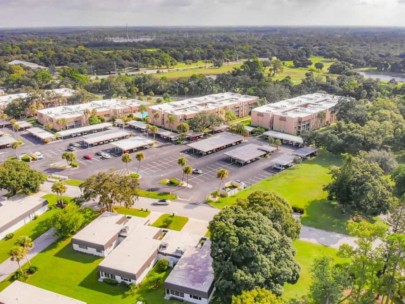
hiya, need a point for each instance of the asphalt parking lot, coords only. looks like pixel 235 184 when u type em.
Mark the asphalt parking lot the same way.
pixel 160 163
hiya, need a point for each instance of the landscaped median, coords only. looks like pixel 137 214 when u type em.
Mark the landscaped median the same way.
pixel 302 186
pixel 132 211
pixel 170 221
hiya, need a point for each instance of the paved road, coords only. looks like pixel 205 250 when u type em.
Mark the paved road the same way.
pixel 8 267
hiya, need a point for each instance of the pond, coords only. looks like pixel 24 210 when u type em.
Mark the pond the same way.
pixel 383 76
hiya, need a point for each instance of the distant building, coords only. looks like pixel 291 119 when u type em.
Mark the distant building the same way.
pixel 76 116
pixel 297 115
pixel 192 279
pixel 23 293
pixel 18 211
pixel 240 105
pixel 26 64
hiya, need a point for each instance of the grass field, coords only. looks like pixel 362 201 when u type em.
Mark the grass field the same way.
pixel 75 275
pixel 171 222
pixel 156 195
pixel 302 186
pixel 132 211
pixel 198 71
pixel 306 254
pixel 33 229
pixel 73 182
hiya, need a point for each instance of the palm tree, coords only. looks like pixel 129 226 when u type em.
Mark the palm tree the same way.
pixel 171 120
pixel 87 113
pixel 154 130
pixel 26 243
pixel 221 175
pixel 245 133
pixel 182 162
pixel 15 146
pixel 139 157
pixel 187 171
pixel 70 157
pixel 59 188
pixel 17 253
pixel 156 116
pixel 126 158
pixel 277 143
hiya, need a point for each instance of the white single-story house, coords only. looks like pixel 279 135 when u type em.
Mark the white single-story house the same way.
pixel 18 211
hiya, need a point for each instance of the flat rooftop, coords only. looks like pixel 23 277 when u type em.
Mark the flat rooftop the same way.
pixel 284 160
pixel 40 133
pixel 85 129
pixel 98 105
pixel 22 293
pixel 137 124
pixel 7 140
pixel 105 136
pixel 175 243
pixel 246 153
pixel 23 124
pixel 134 251
pixel 133 143
pixel 193 272
pixel 102 229
pixel 301 106
pixel 284 136
pixel 205 103
pixel 216 142
pixel 305 151
pixel 16 208
pixel 6 99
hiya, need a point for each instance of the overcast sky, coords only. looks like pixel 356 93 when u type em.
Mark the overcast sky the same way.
pixel 37 13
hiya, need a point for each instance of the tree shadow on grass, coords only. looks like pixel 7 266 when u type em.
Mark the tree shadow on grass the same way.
pixel 326 159
pixel 42 227
pixel 325 215
pixel 91 282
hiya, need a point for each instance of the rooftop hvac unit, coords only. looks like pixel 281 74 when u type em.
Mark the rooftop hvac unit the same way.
pixel 163 245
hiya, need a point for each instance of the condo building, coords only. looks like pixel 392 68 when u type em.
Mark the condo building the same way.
pixel 297 115
pixel 74 116
pixel 240 105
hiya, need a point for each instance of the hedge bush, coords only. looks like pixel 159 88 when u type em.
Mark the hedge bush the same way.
pixel 162 265
pixel 32 269
pixel 9 236
pixel 26 158
pixel 75 164
pixel 174 182
pixel 111 282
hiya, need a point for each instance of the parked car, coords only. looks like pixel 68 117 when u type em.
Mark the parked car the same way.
pixel 37 155
pixel 197 171
pixel 105 155
pixel 71 148
pixel 277 167
pixel 88 156
pixel 161 202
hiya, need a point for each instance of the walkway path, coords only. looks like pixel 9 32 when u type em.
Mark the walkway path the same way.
pixel 8 267
pixel 202 212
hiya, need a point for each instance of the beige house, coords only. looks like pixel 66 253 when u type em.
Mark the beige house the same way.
pixel 75 116
pixel 297 115
pixel 240 105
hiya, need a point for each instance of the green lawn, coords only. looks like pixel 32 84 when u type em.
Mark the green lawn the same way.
pixel 132 211
pixel 302 186
pixel 157 195
pixel 75 275
pixel 73 182
pixel 33 229
pixel 171 222
pixel 306 254
pixel 198 71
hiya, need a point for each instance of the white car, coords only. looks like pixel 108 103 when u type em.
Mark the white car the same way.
pixel 105 155
pixel 38 155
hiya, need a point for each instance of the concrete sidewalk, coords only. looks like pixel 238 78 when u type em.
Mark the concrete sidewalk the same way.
pixel 8 267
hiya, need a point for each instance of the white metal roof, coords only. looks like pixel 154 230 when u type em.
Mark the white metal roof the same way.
pixel 23 124
pixel 216 141
pixel 7 140
pixel 22 293
pixel 85 129
pixel 105 136
pixel 40 133
pixel 246 153
pixel 284 136
pixel 133 143
pixel 284 159
pixel 137 124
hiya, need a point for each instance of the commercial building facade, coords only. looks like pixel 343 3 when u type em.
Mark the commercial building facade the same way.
pixel 297 115
pixel 180 111
pixel 75 116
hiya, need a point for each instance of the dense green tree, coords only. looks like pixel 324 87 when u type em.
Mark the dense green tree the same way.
pixel 249 253
pixel 276 66
pixel 398 175
pixel 203 121
pixel 386 160
pixel 70 157
pixel 328 282
pixel 360 186
pixel 68 221
pixel 16 176
pixel 256 296
pixel 110 189
pixel 276 209
pixel 16 108
pixel 319 66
